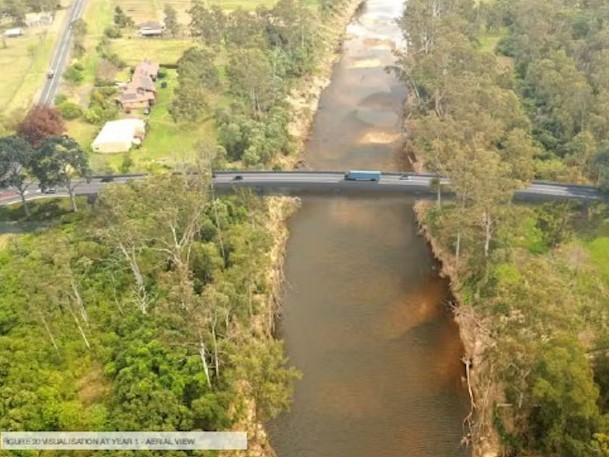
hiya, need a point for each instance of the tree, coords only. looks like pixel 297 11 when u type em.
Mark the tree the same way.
pixel 79 29
pixel 171 20
pixel 600 162
pixel 564 389
pixel 197 74
pixel 58 161
pixel 208 24
pixel 554 222
pixel 40 123
pixel 197 66
pixel 251 78
pixel 243 30
pixel 262 365
pixel 189 104
pixel 121 20
pixel 15 162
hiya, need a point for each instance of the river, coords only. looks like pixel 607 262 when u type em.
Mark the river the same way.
pixel 364 316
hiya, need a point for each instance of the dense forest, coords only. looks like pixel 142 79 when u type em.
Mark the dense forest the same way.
pixel 147 311
pixel 532 290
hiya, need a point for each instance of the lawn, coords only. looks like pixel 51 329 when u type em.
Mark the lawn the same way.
pixel 162 51
pixel 598 250
pixel 164 140
pixel 25 62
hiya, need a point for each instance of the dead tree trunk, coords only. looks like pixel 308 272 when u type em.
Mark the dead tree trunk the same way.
pixel 203 355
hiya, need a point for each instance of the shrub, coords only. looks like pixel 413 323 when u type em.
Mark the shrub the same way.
pixel 69 110
pixel 40 123
pixel 78 66
pixel 162 73
pixel 112 32
pixel 92 116
pixel 60 98
pixel 73 75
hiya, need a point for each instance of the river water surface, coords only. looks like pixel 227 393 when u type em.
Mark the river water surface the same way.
pixel 363 316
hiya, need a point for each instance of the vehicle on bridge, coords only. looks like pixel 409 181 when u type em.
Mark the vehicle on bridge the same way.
pixel 359 175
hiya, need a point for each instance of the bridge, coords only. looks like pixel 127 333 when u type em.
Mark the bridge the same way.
pixel 417 185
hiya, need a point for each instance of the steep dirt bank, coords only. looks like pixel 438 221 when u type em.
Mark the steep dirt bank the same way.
pixel 474 334
pixel 482 436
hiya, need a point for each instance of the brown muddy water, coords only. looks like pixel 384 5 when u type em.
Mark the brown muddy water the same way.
pixel 363 315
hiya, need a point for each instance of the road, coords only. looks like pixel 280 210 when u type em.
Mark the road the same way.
pixel 418 185
pixel 60 54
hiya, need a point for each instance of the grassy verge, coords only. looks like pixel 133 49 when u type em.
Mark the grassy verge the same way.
pixel 25 62
pixel 40 210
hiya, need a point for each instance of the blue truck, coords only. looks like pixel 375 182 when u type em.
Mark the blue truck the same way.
pixel 359 175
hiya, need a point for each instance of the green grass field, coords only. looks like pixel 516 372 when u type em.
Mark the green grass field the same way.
pixel 24 64
pixel 164 52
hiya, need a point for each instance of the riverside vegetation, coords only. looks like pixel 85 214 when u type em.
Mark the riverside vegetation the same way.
pixel 148 311
pixel 531 281
pixel 153 309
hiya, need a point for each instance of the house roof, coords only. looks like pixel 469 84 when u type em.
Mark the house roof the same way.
pixel 15 31
pixel 135 96
pixel 141 87
pixel 151 25
pixel 148 68
pixel 128 96
pixel 142 81
pixel 120 131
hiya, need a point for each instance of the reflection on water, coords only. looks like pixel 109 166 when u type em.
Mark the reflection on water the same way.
pixel 364 318
pixel 410 310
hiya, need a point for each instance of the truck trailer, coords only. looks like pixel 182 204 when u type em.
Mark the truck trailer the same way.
pixel 359 175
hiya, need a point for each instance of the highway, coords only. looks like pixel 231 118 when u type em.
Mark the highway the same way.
pixel 60 54
pixel 327 182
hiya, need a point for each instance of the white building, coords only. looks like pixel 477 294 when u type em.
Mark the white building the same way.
pixel 13 33
pixel 119 136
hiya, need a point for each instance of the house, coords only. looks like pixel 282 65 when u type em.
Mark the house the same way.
pixel 140 92
pixel 119 136
pixel 151 28
pixel 38 19
pixel 149 69
pixel 13 33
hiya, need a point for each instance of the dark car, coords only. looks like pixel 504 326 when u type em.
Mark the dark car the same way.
pixel 107 179
pixel 238 178
pixel 50 74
